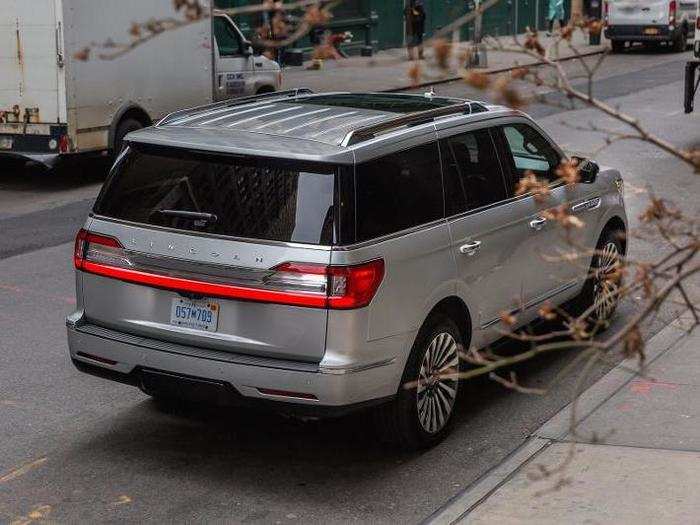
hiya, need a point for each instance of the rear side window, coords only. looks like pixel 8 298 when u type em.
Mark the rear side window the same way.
pixel 473 176
pixel 398 191
pixel 243 197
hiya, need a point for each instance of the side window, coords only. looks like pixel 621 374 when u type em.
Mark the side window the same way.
pixel 530 151
pixel 398 191
pixel 473 176
pixel 227 39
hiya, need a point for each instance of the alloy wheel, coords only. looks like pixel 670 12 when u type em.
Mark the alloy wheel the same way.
pixel 437 383
pixel 606 288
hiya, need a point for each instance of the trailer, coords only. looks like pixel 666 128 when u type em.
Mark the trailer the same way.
pixel 77 75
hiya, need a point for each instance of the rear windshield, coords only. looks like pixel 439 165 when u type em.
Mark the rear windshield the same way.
pixel 244 197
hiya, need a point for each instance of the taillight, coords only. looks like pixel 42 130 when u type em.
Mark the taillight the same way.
pixel 63 144
pixel 297 284
pixel 672 12
pixel 606 8
pixel 697 23
pixel 93 248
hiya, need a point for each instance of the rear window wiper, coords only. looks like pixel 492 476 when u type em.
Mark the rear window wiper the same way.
pixel 197 216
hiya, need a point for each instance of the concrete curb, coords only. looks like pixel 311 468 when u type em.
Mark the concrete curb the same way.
pixel 555 429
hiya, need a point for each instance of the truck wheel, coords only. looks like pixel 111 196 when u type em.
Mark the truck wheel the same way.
pixel 420 414
pixel 618 46
pixel 125 127
pixel 681 42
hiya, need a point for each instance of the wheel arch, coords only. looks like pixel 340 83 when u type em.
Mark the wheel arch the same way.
pixel 615 223
pixel 129 110
pixel 456 309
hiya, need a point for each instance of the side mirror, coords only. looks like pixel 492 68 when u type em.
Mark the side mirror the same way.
pixel 247 49
pixel 588 169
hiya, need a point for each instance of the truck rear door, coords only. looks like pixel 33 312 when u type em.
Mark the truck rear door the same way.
pixel 638 12
pixel 32 85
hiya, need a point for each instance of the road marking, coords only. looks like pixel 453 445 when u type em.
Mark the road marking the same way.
pixel 21 471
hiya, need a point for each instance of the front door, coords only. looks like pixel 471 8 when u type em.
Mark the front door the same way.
pixel 551 269
pixel 486 227
pixel 235 73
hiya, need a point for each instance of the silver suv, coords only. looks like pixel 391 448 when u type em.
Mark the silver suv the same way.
pixel 318 252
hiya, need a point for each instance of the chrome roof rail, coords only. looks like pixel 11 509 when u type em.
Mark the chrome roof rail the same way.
pixel 273 95
pixel 411 119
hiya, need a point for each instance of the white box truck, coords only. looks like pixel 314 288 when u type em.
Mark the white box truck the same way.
pixel 77 75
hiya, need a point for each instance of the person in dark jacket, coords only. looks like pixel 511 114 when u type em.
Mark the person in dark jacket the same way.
pixel 415 28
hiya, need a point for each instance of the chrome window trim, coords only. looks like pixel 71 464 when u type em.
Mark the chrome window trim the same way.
pixel 205 235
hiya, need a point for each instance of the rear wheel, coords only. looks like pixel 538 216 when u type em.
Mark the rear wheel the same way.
pixel 125 127
pixel 618 46
pixel 420 415
pixel 681 42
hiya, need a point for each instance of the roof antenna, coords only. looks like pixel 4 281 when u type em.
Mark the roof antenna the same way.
pixel 431 93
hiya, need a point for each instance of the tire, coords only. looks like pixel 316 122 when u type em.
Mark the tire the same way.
pixel 618 46
pixel 125 127
pixel 265 89
pixel 600 292
pixel 419 417
pixel 681 42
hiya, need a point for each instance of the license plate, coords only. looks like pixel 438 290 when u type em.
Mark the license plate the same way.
pixel 651 31
pixel 6 142
pixel 199 315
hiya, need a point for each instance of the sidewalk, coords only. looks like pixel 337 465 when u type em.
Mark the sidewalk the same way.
pixel 645 469
pixel 388 70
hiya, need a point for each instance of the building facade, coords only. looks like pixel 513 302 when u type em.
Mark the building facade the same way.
pixel 380 23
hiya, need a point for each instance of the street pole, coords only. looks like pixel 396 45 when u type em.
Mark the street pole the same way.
pixel 576 9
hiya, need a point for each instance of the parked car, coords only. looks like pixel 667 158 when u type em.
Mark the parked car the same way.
pixel 318 252
pixel 650 21
pixel 691 84
pixel 61 96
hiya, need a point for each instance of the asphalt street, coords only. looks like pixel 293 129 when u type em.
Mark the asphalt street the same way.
pixel 79 449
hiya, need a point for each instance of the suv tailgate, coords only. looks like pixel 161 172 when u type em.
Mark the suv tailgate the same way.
pixel 285 212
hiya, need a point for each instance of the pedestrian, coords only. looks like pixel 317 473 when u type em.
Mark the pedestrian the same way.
pixel 555 12
pixel 415 28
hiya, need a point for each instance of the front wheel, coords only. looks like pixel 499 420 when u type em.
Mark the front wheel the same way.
pixel 618 46
pixel 601 292
pixel 420 415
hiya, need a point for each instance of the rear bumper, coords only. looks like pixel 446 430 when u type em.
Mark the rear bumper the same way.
pixel 32 142
pixel 48 160
pixel 226 379
pixel 637 33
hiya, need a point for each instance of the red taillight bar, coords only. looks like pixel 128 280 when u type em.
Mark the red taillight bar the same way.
pixel 346 287
pixel 227 291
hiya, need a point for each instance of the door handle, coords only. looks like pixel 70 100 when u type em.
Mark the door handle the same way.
pixel 538 223
pixel 221 81
pixel 471 248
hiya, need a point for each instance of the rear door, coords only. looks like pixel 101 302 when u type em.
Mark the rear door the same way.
pixel 486 227
pixel 230 222
pixel 31 61
pixel 638 12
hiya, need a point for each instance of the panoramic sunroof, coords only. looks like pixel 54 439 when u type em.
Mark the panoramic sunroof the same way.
pixel 381 102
